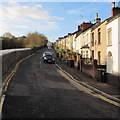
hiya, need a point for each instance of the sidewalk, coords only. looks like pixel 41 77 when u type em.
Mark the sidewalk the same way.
pixel 81 76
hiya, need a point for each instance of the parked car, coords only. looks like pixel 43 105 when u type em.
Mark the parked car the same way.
pixel 48 57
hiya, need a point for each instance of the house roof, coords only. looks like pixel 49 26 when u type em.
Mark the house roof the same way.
pixel 78 32
pixel 113 18
pixel 88 28
pixel 98 24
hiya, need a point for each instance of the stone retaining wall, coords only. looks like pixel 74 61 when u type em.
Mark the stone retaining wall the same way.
pixel 9 59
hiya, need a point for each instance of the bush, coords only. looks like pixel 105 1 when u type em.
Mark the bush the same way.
pixel 33 40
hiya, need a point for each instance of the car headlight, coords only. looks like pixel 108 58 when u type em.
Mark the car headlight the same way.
pixel 53 59
pixel 45 58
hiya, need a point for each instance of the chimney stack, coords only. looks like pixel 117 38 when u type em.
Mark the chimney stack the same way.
pixel 96 15
pixel 115 10
pixel 85 25
pixel 79 27
pixel 113 4
pixel 98 20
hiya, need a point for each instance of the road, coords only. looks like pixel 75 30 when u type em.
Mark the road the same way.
pixel 38 90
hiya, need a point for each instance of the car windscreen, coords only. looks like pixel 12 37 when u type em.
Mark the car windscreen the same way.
pixel 49 56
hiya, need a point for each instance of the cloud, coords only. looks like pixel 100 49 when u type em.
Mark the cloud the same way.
pixel 16 16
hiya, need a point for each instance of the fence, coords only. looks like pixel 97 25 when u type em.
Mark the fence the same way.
pixel 91 69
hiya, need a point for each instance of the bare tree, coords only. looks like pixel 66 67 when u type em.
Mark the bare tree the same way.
pixel 7 35
pixel 35 40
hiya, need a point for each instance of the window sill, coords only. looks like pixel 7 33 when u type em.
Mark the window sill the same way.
pixel 109 45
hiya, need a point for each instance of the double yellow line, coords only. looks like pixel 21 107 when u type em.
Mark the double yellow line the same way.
pixel 7 80
pixel 79 86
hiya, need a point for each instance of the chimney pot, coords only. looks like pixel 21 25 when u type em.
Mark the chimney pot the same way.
pixel 97 20
pixel 113 4
pixel 96 15
pixel 79 27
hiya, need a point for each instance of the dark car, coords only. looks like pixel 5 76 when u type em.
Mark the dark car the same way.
pixel 46 53
pixel 49 58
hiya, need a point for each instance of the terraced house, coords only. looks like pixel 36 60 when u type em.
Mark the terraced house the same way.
pixel 113 45
pixel 98 41
pixel 85 42
pixel 92 41
pixel 81 40
pixel 70 41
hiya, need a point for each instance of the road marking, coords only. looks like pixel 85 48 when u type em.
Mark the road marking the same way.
pixel 108 100
pixel 85 89
pixel 1 104
pixel 7 80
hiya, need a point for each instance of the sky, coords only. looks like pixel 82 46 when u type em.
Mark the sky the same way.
pixel 53 19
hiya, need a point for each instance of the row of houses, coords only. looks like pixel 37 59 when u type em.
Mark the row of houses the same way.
pixel 96 41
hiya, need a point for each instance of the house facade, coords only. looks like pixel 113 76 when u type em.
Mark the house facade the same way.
pixel 70 41
pixel 86 44
pixel 74 41
pixel 113 45
pixel 98 43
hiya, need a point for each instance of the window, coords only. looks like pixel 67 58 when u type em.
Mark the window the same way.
pixel 92 55
pixel 87 38
pixel 82 53
pixel 87 54
pixel 83 41
pixel 99 57
pixel 109 37
pixel 92 39
pixel 99 36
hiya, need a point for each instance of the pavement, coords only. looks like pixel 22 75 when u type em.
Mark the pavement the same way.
pixel 83 77
pixel 40 90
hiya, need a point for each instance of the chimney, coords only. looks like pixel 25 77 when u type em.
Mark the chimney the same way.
pixel 113 4
pixel 96 15
pixel 85 25
pixel 115 10
pixel 69 33
pixel 79 27
pixel 98 20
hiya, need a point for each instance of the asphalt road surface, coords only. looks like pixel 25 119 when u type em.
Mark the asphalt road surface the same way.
pixel 37 90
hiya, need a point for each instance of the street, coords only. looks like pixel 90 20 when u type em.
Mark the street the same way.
pixel 38 90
